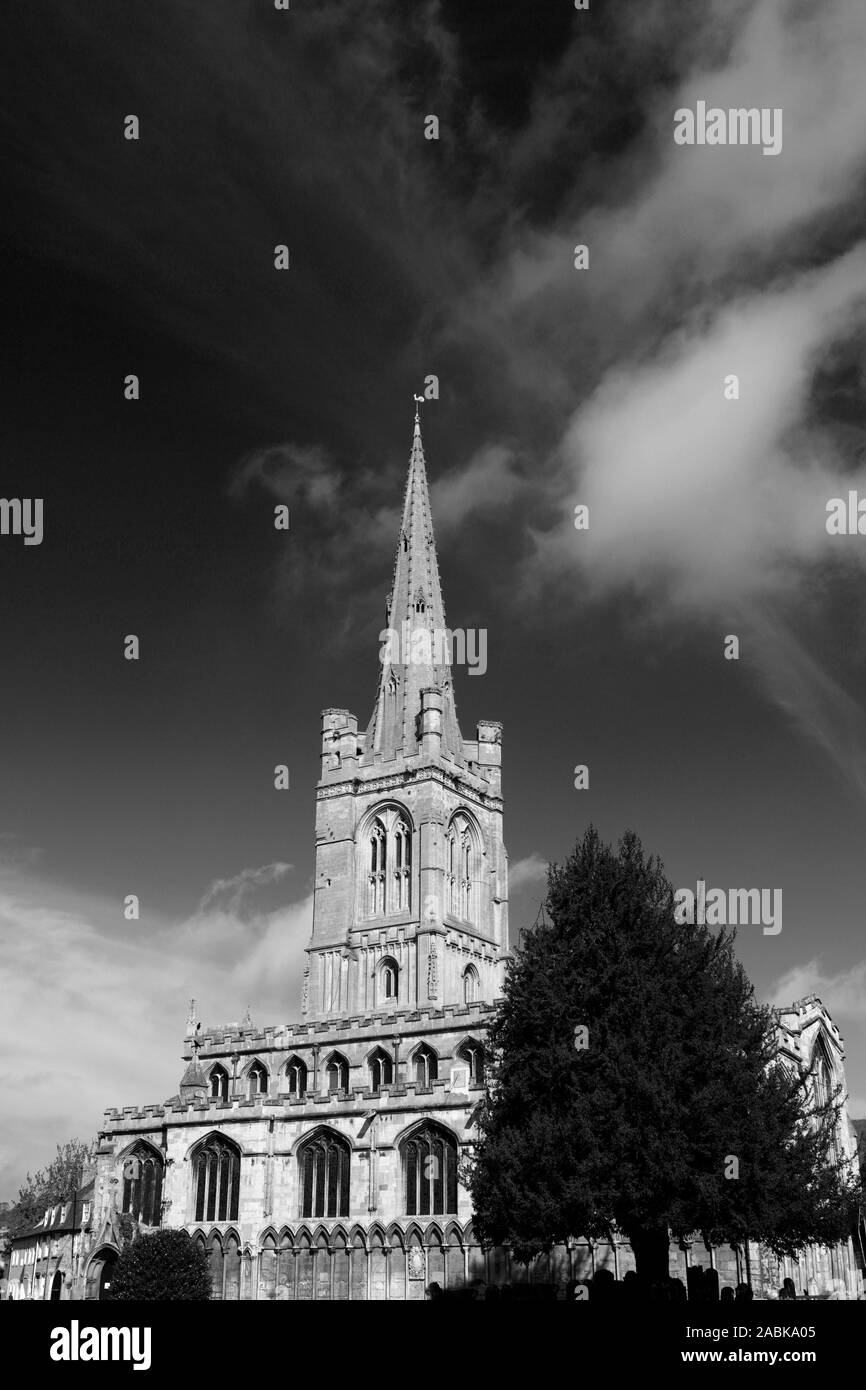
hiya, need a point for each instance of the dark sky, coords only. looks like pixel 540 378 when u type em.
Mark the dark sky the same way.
pixel 411 257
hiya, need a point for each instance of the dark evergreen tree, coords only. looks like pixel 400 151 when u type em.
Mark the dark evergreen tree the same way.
pixel 677 1090
pixel 164 1265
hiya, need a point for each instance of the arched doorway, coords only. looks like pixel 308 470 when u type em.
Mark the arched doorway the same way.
pixel 99 1274
pixel 56 1287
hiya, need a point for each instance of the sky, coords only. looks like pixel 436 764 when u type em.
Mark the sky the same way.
pixel 558 387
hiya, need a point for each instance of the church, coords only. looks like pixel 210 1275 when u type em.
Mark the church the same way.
pixel 322 1159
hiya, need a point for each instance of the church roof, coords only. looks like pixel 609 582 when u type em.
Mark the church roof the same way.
pixel 414 608
pixel 194 1074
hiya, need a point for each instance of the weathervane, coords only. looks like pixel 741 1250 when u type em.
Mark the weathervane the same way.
pixel 419 401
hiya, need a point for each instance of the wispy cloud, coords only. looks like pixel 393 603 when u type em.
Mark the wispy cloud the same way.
pixel 530 872
pixel 843 994
pixel 86 1012
pixel 232 895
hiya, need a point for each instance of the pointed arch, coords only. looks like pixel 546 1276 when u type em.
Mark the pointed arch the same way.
pixel 215 1162
pixel 464 851
pixel 425 1065
pixel 472 1052
pixel 384 851
pixel 821 1070
pixel 136 1145
pixel 98 1271
pixel 257 1077
pixel 216 1261
pixel 358 1236
pixel 381 1067
pixel 323 1128
pixel 218 1082
pixel 395 1236
pixel 295 1072
pixel 429 1154
pixel 337 1072
pixel 267 1264
pixel 142 1172
pixel 376 1235
pixel 232 1267
pixel 471 984
pixel 413 1126
pixel 387 982
pixel 324 1166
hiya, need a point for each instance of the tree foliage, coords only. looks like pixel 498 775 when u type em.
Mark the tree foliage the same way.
pixel 53 1184
pixel 164 1265
pixel 636 1133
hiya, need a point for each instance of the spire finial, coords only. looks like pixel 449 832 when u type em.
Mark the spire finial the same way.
pixel 419 400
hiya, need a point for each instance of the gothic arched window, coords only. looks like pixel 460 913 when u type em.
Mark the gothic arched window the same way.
pixel 296 1076
pixel 823 1087
pixel 463 871
pixel 143 1170
pixel 258 1080
pixel 389 864
pixel 323 1169
pixel 381 1069
pixel 389 980
pixel 401 868
pixel 430 1171
pixel 216 1166
pixel 337 1072
pixel 472 1053
pixel 376 902
pixel 470 984
pixel 426 1066
pixel 822 1077
pixel 219 1083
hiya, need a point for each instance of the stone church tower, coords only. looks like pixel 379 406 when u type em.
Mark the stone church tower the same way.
pixel 411 877
pixel 322 1159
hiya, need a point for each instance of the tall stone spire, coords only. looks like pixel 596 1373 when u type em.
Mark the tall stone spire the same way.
pixel 417 651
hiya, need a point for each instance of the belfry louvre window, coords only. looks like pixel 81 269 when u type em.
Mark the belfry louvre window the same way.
pixel 142 1185
pixel 217 1174
pixel 324 1163
pixel 377 869
pixel 389 856
pixel 462 869
pixel 430 1168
